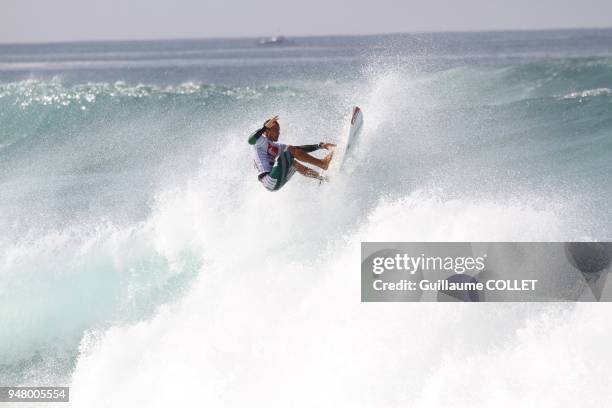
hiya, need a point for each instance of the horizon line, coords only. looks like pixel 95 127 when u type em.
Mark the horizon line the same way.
pixel 256 37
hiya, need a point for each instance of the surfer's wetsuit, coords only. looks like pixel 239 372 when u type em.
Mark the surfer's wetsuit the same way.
pixel 273 161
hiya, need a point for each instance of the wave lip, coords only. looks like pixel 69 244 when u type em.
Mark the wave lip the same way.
pixel 28 92
pixel 588 93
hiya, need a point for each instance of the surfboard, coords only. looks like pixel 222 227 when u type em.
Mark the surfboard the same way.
pixel 354 132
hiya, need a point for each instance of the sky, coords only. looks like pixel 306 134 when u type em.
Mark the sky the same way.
pixel 80 20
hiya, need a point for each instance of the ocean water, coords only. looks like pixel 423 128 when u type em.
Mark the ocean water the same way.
pixel 142 264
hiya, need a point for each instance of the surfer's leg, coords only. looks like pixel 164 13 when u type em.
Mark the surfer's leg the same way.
pixel 306 171
pixel 280 174
pixel 305 157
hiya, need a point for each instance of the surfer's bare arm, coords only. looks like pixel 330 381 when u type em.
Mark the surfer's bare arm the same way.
pixel 270 122
pixel 315 147
pixel 306 171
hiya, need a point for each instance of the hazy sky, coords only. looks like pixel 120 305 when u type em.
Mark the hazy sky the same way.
pixel 72 20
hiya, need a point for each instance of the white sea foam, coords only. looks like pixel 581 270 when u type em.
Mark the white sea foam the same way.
pixel 587 93
pixel 271 321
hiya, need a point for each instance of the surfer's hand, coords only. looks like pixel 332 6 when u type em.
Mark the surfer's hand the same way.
pixel 270 122
pixel 323 178
pixel 328 146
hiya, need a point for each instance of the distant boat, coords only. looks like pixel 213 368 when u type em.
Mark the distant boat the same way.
pixel 276 40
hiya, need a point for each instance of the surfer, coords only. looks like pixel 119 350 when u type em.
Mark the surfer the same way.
pixel 276 162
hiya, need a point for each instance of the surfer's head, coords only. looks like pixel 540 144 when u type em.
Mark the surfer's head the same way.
pixel 273 131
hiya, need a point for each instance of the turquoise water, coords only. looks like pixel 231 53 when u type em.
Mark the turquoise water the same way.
pixel 127 191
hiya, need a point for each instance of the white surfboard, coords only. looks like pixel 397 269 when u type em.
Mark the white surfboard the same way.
pixel 354 131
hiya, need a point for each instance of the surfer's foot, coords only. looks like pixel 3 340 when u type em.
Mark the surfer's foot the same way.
pixel 326 160
pixel 328 146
